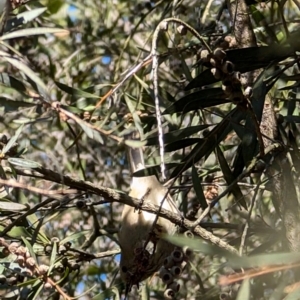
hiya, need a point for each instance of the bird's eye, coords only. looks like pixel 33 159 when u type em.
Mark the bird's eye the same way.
pixel 124 269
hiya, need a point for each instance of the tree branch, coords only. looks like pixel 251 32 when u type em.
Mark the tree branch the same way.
pixel 111 195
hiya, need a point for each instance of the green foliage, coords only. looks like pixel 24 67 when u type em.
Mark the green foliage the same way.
pixel 76 78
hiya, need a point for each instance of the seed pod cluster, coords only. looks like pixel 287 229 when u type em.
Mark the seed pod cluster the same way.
pixel 61 248
pixel 23 258
pixel 172 269
pixel 223 69
pixel 217 38
pixel 28 266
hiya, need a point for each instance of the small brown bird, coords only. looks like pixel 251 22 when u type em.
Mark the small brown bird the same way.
pixel 142 251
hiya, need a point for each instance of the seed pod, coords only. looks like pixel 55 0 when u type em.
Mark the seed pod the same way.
pixel 5 252
pixel 227 89
pixel 3 242
pixel 74 266
pixel 175 271
pixel 228 38
pixel 81 204
pixel 236 78
pixel 12 280
pixel 244 80
pixel 187 251
pixel 27 273
pixel 47 285
pixel 248 92
pixel 227 81
pixel 216 73
pixel 65 261
pixel 62 249
pixel 43 269
pixel 169 294
pixel 237 97
pixel 213 61
pixel 30 262
pixel 27 254
pixel 21 251
pixel 189 234
pixel 164 26
pixel 21 260
pixel 204 54
pixel 224 45
pixel 167 278
pixel 227 67
pixel 205 57
pixel 55 240
pixel 231 40
pixel 68 245
pixel 162 272
pixel 60 268
pixel 177 255
pixel 220 54
pixel 13 247
pixel 169 262
pixel 48 249
pixel 225 296
pixel 174 286
pixel 2 279
pixel 182 30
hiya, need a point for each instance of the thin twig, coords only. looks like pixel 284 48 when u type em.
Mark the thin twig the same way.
pixel 57 107
pixel 244 235
pixel 162 26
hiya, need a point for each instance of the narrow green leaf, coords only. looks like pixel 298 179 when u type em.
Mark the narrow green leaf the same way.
pixel 90 132
pixel 203 79
pixel 74 236
pixel 10 81
pixel 13 105
pixel 198 188
pixel 135 143
pixel 244 291
pixel 198 100
pixel 53 257
pixel 75 92
pixel 23 163
pixel 182 144
pixel 108 294
pixel 199 245
pixel 176 135
pixel 13 140
pixel 17 232
pixel 263 260
pixel 4 190
pixel 32 14
pixel 30 249
pixel 292 119
pixel 37 290
pixel 30 32
pixel 295 295
pixel 256 14
pixel 131 103
pixel 11 206
pixel 154 170
pixel 28 72
pixel 229 178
